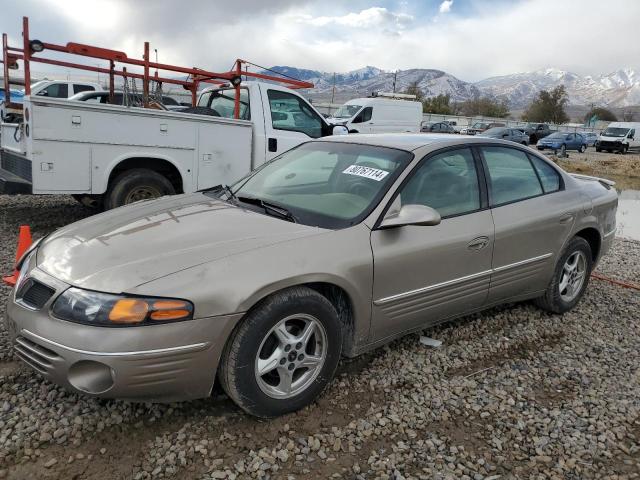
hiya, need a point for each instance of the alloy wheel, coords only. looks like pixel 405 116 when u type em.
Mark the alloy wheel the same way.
pixel 291 356
pixel 572 277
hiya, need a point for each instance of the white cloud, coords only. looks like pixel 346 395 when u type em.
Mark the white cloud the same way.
pixel 499 37
pixel 445 6
pixel 370 17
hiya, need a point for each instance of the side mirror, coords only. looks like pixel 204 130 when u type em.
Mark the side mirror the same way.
pixel 411 215
pixel 506 135
pixel 340 130
pixel 42 93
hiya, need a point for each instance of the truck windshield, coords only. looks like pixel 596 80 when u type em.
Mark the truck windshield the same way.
pixel 615 132
pixel 222 101
pixel 347 111
pixel 325 184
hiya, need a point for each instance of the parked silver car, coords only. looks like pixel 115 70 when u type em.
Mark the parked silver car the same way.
pixel 511 134
pixel 334 248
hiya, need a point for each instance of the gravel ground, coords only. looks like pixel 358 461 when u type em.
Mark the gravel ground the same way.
pixel 512 393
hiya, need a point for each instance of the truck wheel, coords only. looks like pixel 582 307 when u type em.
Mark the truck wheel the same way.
pixel 570 278
pixel 598 149
pixel 624 149
pixel 135 185
pixel 283 354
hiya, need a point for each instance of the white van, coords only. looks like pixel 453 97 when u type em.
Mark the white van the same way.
pixel 379 115
pixel 619 137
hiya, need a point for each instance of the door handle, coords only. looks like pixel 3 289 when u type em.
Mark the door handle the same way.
pixel 478 243
pixel 566 218
pixel 273 145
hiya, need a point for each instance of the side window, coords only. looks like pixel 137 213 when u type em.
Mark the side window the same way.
pixel 632 133
pixel 549 178
pixel 77 88
pixel 367 113
pixel 56 90
pixel 290 112
pixel 447 182
pixel 511 175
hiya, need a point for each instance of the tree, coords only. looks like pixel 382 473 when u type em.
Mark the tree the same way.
pixel 439 105
pixel 414 89
pixel 483 106
pixel 600 114
pixel 548 107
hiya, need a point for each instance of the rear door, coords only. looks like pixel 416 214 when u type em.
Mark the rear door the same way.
pixel 289 121
pixel 533 216
pixel 423 274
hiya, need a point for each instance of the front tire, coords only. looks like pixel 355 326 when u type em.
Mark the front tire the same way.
pixel 570 278
pixel 283 354
pixel 135 185
pixel 582 149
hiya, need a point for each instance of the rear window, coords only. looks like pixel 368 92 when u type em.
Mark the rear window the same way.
pixel 82 88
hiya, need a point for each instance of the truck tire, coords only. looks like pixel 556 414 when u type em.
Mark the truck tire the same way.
pixel 598 149
pixel 624 149
pixel 283 353
pixel 135 185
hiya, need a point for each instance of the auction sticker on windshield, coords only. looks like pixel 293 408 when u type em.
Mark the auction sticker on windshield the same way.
pixel 366 172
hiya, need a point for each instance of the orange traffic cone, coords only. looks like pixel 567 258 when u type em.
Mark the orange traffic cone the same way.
pixel 24 242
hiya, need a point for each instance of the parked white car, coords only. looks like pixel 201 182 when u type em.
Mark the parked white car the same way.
pixel 379 115
pixel 112 155
pixel 619 137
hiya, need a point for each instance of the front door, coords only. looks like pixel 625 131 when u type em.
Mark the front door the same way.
pixel 289 121
pixel 533 216
pixel 423 274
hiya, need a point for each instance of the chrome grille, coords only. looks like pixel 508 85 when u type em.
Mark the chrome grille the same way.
pixel 34 294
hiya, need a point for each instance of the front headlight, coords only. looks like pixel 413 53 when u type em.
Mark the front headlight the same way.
pixel 105 309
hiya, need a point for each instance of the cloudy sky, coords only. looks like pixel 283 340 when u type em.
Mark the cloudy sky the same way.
pixel 472 39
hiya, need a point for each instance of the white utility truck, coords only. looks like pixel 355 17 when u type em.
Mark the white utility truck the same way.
pixel 383 113
pixel 109 155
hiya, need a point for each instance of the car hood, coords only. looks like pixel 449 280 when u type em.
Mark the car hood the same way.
pixel 126 247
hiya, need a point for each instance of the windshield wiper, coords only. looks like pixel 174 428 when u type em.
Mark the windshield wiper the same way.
pixel 218 189
pixel 270 208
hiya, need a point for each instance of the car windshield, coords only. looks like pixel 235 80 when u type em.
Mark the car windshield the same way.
pixel 557 135
pixel 347 111
pixel 615 132
pixel 325 184
pixel 496 131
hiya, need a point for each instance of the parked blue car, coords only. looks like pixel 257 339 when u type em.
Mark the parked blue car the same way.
pixel 590 138
pixel 15 96
pixel 563 141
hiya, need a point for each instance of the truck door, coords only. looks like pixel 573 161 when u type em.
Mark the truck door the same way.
pixel 289 121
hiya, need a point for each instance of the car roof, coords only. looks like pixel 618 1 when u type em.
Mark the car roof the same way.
pixel 403 141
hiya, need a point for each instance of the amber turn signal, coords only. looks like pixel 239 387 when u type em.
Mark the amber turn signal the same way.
pixel 129 310
pixel 170 310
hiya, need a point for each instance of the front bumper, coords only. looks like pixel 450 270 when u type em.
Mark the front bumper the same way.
pixel 169 362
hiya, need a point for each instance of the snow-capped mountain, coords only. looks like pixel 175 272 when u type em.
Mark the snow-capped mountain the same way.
pixel 616 89
pixel 361 82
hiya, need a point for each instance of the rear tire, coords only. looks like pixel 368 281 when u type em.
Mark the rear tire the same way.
pixel 135 185
pixel 598 149
pixel 259 358
pixel 561 294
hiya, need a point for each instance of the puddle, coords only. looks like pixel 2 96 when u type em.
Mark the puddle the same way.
pixel 628 215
